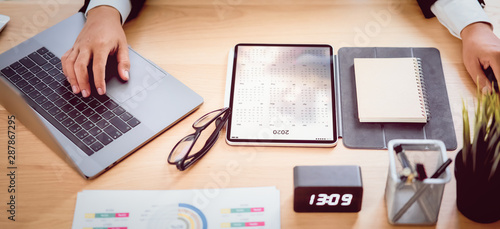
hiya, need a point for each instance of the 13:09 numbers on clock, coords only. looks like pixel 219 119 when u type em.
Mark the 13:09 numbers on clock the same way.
pixel 331 200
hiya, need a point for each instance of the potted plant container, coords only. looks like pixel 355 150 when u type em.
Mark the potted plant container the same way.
pixel 476 165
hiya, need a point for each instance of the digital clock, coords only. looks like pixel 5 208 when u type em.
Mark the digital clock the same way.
pixel 322 199
pixel 327 188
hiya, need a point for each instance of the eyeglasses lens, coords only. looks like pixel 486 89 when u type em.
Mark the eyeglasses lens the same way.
pixel 182 148
pixel 206 118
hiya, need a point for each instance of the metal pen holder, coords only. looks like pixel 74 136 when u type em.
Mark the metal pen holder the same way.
pixel 410 199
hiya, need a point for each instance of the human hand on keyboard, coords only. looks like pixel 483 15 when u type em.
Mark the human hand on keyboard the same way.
pixel 101 36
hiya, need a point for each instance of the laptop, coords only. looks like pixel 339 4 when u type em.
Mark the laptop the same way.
pixel 93 133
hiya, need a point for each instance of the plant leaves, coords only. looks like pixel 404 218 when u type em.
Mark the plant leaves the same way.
pixel 496 160
pixel 481 151
pixel 466 133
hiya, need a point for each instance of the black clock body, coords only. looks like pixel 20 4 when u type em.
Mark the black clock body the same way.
pixel 328 188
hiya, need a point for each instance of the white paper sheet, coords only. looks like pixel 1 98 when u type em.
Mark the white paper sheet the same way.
pixel 257 207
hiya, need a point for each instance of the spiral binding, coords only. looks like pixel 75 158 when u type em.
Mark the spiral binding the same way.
pixel 422 90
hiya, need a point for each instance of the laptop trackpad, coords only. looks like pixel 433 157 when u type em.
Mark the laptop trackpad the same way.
pixel 142 76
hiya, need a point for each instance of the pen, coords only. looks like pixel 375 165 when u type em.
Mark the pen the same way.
pixel 405 162
pixel 421 190
pixel 441 169
pixel 402 157
pixel 408 175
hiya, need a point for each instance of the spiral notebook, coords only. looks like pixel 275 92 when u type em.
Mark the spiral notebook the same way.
pixel 390 90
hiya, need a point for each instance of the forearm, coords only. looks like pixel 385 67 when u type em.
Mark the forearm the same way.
pixel 475 28
pixel 458 14
pixel 124 7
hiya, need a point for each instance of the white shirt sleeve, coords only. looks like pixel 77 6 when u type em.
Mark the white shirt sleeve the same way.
pixel 123 6
pixel 457 14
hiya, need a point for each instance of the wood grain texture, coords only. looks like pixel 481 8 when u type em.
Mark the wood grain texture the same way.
pixel 191 39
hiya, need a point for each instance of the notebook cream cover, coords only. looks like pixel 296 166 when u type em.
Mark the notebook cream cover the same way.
pixel 390 90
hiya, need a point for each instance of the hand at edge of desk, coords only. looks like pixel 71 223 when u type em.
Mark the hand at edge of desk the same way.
pixel 101 37
pixel 481 49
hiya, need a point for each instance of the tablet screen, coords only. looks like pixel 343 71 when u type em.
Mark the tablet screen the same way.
pixel 282 94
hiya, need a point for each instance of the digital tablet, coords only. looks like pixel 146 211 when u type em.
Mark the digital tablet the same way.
pixel 281 95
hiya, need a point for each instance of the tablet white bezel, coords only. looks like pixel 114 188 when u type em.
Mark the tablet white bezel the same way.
pixel 275 142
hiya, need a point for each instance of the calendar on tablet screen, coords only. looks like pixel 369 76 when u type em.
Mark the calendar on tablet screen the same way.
pixel 282 93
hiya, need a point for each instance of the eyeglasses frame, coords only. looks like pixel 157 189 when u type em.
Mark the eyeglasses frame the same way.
pixel 189 159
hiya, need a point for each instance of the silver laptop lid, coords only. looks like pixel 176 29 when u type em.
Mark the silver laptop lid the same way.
pixel 151 95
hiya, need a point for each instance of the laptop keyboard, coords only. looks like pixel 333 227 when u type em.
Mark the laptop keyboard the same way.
pixel 90 123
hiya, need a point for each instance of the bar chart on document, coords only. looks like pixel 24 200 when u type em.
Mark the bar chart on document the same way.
pixel 178 209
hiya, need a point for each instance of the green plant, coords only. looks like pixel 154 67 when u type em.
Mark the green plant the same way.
pixel 481 153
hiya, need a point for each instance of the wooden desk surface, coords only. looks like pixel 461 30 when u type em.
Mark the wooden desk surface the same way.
pixel 190 39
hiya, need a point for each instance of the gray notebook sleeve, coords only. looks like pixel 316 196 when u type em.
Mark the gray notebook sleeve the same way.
pixel 377 135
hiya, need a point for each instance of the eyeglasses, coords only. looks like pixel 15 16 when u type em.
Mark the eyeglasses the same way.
pixel 182 156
